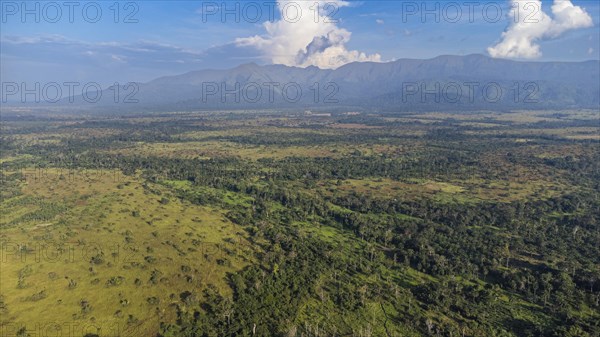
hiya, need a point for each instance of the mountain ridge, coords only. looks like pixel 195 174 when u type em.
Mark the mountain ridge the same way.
pixel 403 84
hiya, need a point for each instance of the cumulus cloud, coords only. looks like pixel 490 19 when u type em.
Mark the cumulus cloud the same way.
pixel 306 37
pixel 530 25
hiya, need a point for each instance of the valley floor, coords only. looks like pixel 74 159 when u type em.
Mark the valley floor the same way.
pixel 285 224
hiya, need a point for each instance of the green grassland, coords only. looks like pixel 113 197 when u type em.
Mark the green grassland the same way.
pixel 127 249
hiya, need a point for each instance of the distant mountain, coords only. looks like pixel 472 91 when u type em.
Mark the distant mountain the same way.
pixel 442 83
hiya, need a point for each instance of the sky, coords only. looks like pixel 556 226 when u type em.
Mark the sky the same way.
pixel 136 41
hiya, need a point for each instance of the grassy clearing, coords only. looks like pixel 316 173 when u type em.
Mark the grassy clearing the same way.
pixel 464 191
pixel 120 252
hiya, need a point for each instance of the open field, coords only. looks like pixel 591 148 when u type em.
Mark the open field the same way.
pixel 118 251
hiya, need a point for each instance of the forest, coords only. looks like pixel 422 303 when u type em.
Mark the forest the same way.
pixel 270 223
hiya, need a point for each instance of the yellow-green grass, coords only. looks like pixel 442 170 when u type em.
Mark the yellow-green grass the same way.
pixel 219 149
pixel 516 117
pixel 15 158
pixel 567 132
pixel 133 233
pixel 462 191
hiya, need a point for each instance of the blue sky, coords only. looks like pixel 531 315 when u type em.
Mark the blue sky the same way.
pixel 171 37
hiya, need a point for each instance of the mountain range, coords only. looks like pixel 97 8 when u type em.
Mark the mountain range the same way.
pixel 443 83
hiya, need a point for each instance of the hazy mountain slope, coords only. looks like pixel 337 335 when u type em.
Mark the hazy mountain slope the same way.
pixel 444 82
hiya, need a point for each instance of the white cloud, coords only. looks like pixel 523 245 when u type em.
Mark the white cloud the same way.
pixel 530 25
pixel 309 39
pixel 118 58
pixel 380 22
pixel 590 51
